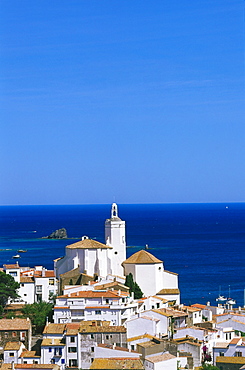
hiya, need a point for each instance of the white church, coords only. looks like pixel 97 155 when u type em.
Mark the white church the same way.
pixel 94 258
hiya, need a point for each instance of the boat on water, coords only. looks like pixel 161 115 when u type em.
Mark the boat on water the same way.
pixel 221 298
pixel 22 251
pixel 16 256
pixel 231 301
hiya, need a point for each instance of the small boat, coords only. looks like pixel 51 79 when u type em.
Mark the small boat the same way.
pixel 231 301
pixel 220 298
pixel 16 256
pixel 22 251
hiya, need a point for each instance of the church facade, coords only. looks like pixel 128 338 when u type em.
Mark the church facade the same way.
pixel 92 258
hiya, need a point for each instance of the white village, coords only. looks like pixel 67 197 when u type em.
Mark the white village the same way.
pixel 101 322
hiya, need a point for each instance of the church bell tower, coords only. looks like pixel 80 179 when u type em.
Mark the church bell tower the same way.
pixel 115 238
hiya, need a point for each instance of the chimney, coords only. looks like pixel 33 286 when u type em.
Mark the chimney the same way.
pixel 52 340
pixel 43 272
pixel 114 345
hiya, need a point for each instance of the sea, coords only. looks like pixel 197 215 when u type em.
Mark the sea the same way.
pixel 203 243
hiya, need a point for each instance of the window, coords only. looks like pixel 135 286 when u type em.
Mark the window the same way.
pixel 72 339
pixel 35 362
pixel 107 337
pixel 13 273
pixel 238 354
pixel 115 252
pixel 25 295
pixel 52 361
pixel 25 362
pixel 132 347
pixel 39 289
pixel 97 312
pixel 50 349
pixel 22 284
pixel 62 360
pixel 14 334
pixel 72 349
pixel 11 354
pixel 22 335
pixel 72 363
pixel 92 349
pixel 6 335
pixel 51 281
pixel 222 353
pixel 158 305
pixel 92 336
pixel 107 300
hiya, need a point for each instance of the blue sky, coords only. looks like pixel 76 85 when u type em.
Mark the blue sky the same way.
pixel 133 101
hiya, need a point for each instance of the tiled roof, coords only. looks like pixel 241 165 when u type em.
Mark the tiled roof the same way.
pixel 12 346
pixel 13 266
pixel 169 312
pixel 26 279
pixel 88 244
pixel 142 257
pixel 54 329
pixel 44 274
pixel 117 363
pixel 235 340
pixel 221 345
pixel 95 294
pixel 29 354
pixel 132 339
pixel 230 360
pixel 159 358
pixel 168 291
pixel 114 285
pixel 15 324
pixel 198 305
pixel 52 342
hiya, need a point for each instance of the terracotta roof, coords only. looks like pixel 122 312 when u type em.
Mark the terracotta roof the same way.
pixel 52 342
pixel 142 257
pixel 15 324
pixel 114 285
pixel 168 291
pixel 13 266
pixel 12 346
pixel 169 312
pixel 117 363
pixel 26 279
pixel 159 358
pixel 198 305
pixel 132 339
pixel 235 340
pixel 230 359
pixel 95 294
pixel 54 329
pixel 29 354
pixel 96 307
pixel 88 244
pixel 221 345
pixel 44 273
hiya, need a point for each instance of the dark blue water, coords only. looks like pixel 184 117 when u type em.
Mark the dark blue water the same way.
pixel 203 243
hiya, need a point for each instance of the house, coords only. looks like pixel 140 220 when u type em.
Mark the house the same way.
pixel 111 305
pixel 12 352
pixel 15 330
pixel 234 348
pixel 161 361
pixel 73 344
pixel 36 284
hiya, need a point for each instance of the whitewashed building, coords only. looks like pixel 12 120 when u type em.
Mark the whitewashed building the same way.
pixel 36 284
pixel 148 271
pixel 161 361
pixel 93 257
pixel 114 306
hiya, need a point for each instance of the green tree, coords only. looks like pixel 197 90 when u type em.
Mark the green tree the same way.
pixel 133 286
pixel 8 288
pixel 38 313
pixel 209 367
